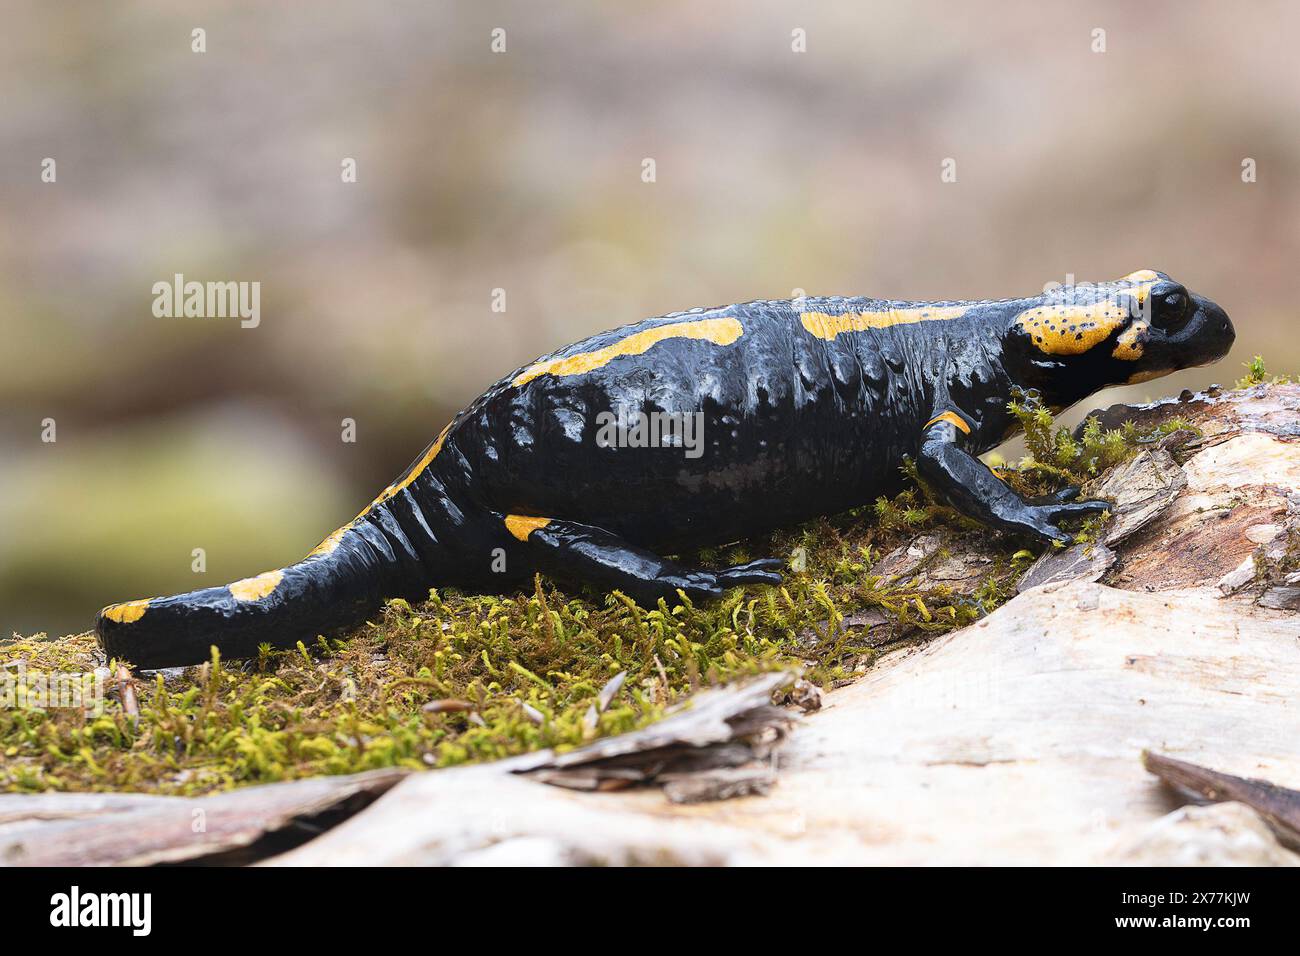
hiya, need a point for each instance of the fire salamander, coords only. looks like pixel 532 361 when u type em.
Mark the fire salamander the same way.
pixel 766 414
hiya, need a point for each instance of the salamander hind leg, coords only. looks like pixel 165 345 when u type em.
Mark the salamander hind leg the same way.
pixel 572 551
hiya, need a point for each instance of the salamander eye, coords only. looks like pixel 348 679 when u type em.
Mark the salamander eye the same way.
pixel 1171 308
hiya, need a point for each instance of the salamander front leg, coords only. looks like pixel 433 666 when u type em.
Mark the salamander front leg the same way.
pixel 971 488
pixel 573 551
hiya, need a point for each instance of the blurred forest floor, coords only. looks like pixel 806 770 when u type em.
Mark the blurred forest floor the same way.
pixel 522 171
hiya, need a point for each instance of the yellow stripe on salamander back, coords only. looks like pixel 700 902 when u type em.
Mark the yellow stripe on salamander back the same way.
pixel 1131 343
pixel 254 589
pixel 331 543
pixel 719 331
pixel 412 473
pixel 521 526
pixel 127 612
pixel 827 326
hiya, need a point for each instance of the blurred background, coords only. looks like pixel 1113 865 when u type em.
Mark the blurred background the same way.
pixel 775 170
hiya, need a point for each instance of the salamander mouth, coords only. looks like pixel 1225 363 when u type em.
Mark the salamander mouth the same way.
pixel 1209 336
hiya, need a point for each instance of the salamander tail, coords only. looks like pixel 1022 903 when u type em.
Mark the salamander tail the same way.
pixel 341 582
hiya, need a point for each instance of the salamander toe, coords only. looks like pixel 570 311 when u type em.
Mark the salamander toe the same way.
pixel 762 571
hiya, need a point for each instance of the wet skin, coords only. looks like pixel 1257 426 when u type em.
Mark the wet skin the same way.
pixel 806 407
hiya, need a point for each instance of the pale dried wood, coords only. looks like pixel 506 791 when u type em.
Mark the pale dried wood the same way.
pixel 58 829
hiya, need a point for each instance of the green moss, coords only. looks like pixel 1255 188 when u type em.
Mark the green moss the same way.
pixel 1275 561
pixel 466 678
pixel 1057 459
pixel 1258 374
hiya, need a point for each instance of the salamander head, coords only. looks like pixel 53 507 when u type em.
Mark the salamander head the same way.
pixel 1077 340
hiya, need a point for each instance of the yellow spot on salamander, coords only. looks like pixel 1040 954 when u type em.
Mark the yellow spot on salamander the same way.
pixel 1072 329
pixel 254 589
pixel 127 612
pixel 952 418
pixel 719 331
pixel 522 526
pixel 1140 292
pixel 1140 284
pixel 826 326
pixel 1130 344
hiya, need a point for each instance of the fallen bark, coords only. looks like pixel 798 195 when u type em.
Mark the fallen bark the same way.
pixel 717 732
pixel 73 829
pixel 1278 806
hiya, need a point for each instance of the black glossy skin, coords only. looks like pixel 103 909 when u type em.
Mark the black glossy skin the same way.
pixel 795 425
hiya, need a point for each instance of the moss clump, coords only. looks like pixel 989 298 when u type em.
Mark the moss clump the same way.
pixel 1258 374
pixel 466 678
pixel 1057 458
pixel 1278 560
